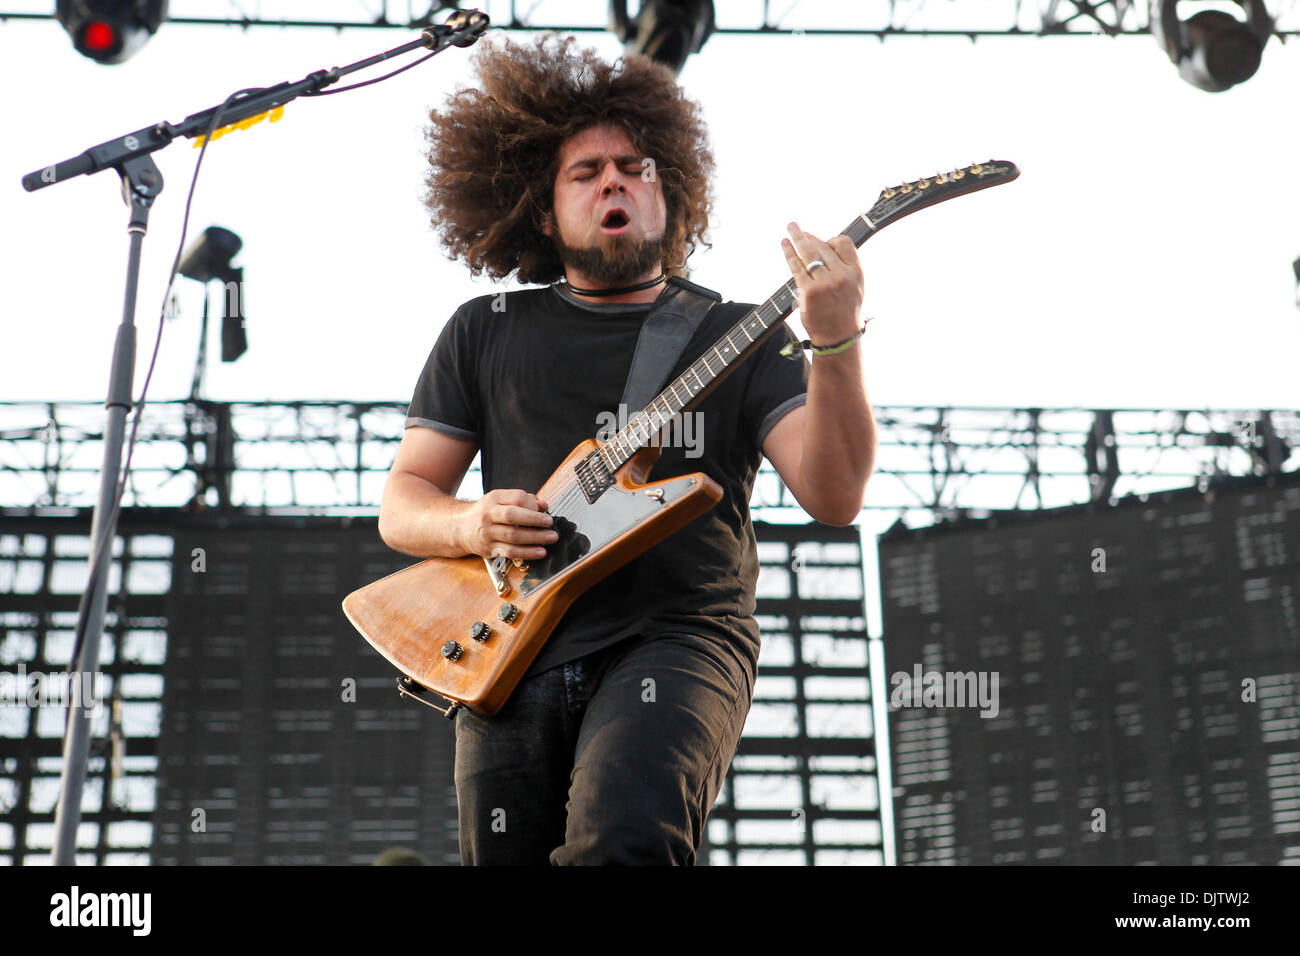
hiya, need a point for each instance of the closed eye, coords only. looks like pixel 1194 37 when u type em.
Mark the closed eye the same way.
pixel 629 170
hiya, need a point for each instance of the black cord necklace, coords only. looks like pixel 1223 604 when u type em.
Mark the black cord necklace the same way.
pixel 619 291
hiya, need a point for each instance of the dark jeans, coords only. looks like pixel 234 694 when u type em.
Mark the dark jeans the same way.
pixel 615 758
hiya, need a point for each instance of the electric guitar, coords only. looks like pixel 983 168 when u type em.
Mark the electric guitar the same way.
pixel 468 628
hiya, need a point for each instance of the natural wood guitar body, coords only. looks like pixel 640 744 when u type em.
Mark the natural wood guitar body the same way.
pixel 411 615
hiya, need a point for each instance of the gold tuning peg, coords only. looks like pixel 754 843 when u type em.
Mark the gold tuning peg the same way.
pixel 958 174
pixel 889 193
pixel 977 168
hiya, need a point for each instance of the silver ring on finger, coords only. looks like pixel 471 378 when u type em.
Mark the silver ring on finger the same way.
pixel 814 264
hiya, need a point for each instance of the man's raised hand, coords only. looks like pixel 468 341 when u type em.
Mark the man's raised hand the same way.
pixel 830 294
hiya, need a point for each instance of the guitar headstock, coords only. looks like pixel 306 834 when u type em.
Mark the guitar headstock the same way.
pixel 906 198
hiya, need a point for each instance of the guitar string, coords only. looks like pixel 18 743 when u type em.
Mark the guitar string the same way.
pixel 858 231
pixel 768 314
pixel 565 493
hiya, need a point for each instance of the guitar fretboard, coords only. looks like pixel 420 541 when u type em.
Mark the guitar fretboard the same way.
pixel 716 362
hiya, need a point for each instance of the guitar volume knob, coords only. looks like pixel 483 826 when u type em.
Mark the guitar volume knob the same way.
pixel 508 612
pixel 479 631
pixel 452 650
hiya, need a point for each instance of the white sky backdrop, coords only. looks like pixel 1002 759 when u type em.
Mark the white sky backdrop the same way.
pixel 1143 258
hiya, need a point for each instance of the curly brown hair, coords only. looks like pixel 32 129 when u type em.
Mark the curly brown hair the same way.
pixel 494 150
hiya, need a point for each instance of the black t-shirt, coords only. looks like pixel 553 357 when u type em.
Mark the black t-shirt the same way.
pixel 542 371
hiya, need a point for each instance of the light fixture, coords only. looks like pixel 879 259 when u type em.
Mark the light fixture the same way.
pixel 667 31
pixel 110 31
pixel 1214 50
pixel 208 258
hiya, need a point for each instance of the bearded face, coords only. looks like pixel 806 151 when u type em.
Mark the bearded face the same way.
pixel 609 215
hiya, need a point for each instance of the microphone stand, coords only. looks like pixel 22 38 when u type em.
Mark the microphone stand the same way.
pixel 141 183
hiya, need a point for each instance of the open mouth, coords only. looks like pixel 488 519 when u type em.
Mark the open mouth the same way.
pixel 615 222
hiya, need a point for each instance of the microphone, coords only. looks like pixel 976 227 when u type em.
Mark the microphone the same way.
pixel 470 24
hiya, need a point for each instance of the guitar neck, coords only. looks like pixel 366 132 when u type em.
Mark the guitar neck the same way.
pixel 690 388
pixel 718 361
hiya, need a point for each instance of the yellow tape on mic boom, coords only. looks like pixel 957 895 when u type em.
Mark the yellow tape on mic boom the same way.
pixel 275 115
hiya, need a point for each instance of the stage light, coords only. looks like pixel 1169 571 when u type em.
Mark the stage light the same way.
pixel 208 258
pixel 110 31
pixel 1213 50
pixel 667 31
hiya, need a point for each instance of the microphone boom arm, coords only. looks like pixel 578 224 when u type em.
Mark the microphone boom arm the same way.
pixel 462 29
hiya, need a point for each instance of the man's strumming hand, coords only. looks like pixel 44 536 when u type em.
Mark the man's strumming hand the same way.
pixel 507 522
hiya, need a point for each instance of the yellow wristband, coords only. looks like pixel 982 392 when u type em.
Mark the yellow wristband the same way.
pixel 790 348
pixel 842 346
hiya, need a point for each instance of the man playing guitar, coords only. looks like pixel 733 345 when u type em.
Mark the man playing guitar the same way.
pixel 613 747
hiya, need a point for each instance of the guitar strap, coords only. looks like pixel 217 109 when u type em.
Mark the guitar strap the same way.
pixel 670 324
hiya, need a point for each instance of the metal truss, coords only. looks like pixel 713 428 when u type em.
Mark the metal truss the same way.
pixel 933 462
pixel 38 615
pixel 880 18
pixel 803 788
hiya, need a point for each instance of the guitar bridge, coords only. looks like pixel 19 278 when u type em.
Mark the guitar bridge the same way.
pixel 496 569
